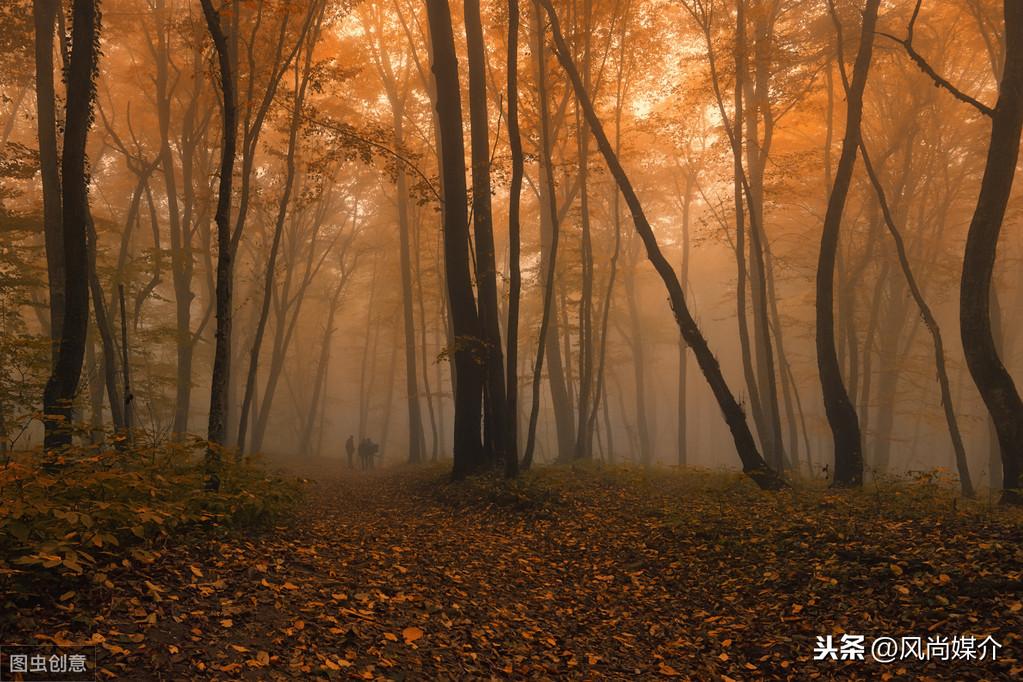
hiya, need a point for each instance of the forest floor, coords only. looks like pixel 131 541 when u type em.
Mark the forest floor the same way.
pixel 586 574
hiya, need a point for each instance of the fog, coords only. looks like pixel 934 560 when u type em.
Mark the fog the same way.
pixel 338 156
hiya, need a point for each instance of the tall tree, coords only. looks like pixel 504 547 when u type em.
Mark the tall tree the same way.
pixel 845 427
pixel 464 318
pixel 543 347
pixel 217 426
pixel 483 230
pixel 994 382
pixel 63 383
pixel 514 239
pixel 302 76
pixel 44 15
pixel 397 94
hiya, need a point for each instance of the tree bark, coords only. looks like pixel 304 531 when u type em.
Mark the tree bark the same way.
pixel 465 320
pixel 483 230
pixel 994 382
pixel 515 241
pixel 106 334
pixel 44 14
pixel 63 382
pixel 217 425
pixel 841 414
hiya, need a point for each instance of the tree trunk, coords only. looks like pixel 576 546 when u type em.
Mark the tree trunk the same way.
pixel 217 425
pixel 989 374
pixel 543 345
pixel 638 365
pixel 683 355
pixel 44 14
pixel 550 220
pixel 515 242
pixel 483 230
pixel 742 274
pixel 465 321
pixel 753 463
pixel 63 382
pixel 931 323
pixel 106 334
pixel 301 83
pixel 427 389
pixel 841 414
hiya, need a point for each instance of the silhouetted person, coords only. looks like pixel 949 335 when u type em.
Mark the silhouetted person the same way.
pixel 367 450
pixel 350 449
pixel 364 454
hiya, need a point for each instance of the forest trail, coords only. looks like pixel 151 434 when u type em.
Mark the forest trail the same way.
pixel 578 574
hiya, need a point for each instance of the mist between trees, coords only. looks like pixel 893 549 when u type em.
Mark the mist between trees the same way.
pixel 775 236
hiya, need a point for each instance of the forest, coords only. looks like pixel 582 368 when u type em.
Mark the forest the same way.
pixel 525 339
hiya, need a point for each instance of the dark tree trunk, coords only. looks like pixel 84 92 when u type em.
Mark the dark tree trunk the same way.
pixel 105 328
pixel 483 229
pixel 752 462
pixel 931 323
pixel 989 374
pixel 845 427
pixel 44 14
pixel 63 382
pixel 217 426
pixel 465 322
pixel 742 272
pixel 515 241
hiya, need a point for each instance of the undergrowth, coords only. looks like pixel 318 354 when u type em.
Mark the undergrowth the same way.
pixel 95 510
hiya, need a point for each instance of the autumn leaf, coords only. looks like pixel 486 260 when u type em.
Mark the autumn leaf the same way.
pixel 261 660
pixel 411 634
pixel 666 670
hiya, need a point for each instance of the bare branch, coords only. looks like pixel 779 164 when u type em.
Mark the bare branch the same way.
pixel 918 59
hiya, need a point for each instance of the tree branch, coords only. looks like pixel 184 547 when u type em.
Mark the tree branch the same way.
pixel 939 81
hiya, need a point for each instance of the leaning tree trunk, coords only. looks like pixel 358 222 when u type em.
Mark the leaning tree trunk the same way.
pixel 845 427
pixel 989 374
pixel 931 323
pixel 63 382
pixel 752 462
pixel 465 322
pixel 217 425
pixel 105 327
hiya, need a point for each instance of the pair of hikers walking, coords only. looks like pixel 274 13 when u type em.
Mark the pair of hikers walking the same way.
pixel 367 451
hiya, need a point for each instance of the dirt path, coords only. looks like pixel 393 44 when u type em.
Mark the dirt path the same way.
pixel 402 576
